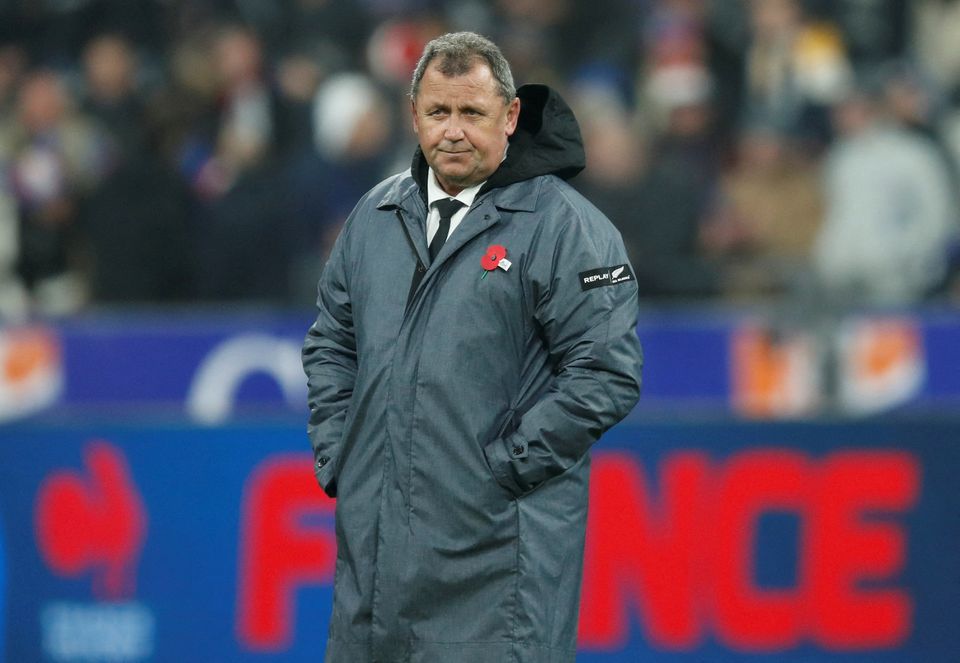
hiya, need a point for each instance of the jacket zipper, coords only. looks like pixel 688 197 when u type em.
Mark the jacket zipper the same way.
pixel 419 270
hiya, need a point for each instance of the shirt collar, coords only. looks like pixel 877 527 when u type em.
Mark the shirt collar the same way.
pixel 435 193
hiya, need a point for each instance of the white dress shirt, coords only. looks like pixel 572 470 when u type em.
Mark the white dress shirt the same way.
pixel 435 193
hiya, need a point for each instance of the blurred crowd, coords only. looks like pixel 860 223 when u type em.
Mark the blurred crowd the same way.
pixel 197 151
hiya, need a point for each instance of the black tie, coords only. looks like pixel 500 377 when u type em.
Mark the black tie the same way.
pixel 447 209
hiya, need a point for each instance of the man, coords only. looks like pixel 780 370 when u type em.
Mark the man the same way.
pixel 454 399
pixel 890 220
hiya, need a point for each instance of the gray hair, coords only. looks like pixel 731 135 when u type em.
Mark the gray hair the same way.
pixel 458 53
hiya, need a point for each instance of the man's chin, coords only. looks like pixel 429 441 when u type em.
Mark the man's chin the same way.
pixel 456 179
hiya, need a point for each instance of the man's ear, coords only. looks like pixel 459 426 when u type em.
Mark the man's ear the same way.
pixel 513 114
pixel 413 114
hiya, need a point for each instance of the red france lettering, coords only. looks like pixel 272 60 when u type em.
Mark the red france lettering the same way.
pixel 751 484
pixel 686 561
pixel 640 551
pixel 847 549
pixel 279 552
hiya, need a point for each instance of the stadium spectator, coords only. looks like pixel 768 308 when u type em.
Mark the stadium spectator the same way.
pixel 553 40
pixel 138 226
pixel 14 302
pixel 111 95
pixel 911 101
pixel 350 147
pixel 795 68
pixel 874 31
pixel 56 157
pixel 297 74
pixel 890 214
pixel 770 211
pixel 335 31
pixel 935 25
pixel 136 221
pixel 242 249
pixel 687 140
pixel 655 203
pixel 13 63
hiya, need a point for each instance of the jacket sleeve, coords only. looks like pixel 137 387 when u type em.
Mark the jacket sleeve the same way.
pixel 330 362
pixel 591 339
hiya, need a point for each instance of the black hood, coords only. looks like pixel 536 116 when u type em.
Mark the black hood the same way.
pixel 547 142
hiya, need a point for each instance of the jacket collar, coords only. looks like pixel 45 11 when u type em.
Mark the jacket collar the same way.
pixel 405 193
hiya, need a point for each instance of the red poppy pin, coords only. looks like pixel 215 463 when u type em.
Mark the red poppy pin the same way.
pixel 495 256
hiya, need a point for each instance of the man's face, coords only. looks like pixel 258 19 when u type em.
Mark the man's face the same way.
pixel 463 124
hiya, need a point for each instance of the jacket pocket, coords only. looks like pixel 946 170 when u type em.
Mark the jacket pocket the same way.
pixel 507 425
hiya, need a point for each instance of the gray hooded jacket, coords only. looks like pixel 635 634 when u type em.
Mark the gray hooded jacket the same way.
pixel 452 413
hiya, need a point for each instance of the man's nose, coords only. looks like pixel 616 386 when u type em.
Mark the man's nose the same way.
pixel 453 131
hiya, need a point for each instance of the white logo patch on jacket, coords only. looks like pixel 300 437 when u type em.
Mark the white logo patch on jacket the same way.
pixel 595 278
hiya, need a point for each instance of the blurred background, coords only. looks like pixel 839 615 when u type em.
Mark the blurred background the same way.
pixel 784 174
pixel 198 152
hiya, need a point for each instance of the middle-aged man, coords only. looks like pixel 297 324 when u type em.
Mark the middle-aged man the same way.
pixel 464 358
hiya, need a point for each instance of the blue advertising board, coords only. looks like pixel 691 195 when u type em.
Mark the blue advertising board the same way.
pixel 729 520
pixel 214 367
pixel 3 595
pixel 708 540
